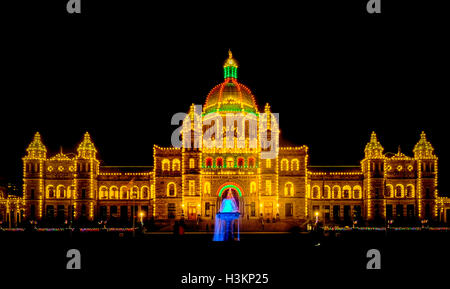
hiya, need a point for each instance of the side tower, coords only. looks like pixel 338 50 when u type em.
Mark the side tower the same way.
pixel 272 182
pixel 191 203
pixel 33 178
pixel 291 171
pixel 427 174
pixel 85 181
pixel 373 169
pixel 168 192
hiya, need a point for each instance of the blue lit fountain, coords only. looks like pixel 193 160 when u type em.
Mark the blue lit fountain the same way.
pixel 225 219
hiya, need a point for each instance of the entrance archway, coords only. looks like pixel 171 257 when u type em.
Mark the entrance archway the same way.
pixel 228 188
pixel 225 186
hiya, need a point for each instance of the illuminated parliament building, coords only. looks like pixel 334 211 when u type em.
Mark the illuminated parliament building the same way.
pixel 189 183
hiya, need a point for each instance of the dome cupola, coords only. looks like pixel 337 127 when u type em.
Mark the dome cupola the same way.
pixel 86 149
pixel 373 148
pixel 36 149
pixel 230 96
pixel 423 148
pixel 230 66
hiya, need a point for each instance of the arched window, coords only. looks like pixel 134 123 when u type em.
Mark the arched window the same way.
pixel 346 192
pixel 326 192
pixel 252 187
pixel 357 192
pixel 61 191
pixel 192 163
pixel 171 190
pixel 123 192
pixel 230 162
pixel 176 165
pixel 251 162
pixel 144 192
pixel 207 188
pixel 165 165
pixel 284 165
pixel 336 192
pixel 113 192
pixel 315 192
pixel 219 162
pixel 294 165
pixel 191 187
pixel 240 162
pixel 410 191
pixel 389 191
pixel 208 162
pixel 103 192
pixel 289 189
pixel 398 191
pixel 50 191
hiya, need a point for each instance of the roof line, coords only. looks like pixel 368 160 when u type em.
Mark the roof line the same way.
pixel 334 166
pixel 127 166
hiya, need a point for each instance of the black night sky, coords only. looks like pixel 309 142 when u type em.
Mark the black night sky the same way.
pixel 121 72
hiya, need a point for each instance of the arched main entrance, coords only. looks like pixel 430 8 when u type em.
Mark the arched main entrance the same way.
pixel 230 188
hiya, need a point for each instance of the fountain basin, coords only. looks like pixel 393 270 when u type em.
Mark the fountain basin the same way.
pixel 228 216
pixel 224 228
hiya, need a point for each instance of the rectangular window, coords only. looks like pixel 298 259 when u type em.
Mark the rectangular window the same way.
pixel 83 193
pixel 388 212
pixel 327 213
pixel 336 212
pixel 50 212
pixel 288 209
pixel 171 210
pixel 32 212
pixel 113 211
pixel 268 163
pixel 427 193
pixel 103 212
pixel 60 212
pixel 399 211
pixel 427 211
pixel 410 211
pixel 357 212
pixel 253 209
pixel 268 187
pixel 377 193
pixel 347 213
pixel 207 209
pixel 377 210
pixel 32 194
pixel 123 213
pixel 191 187
pixel 83 210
